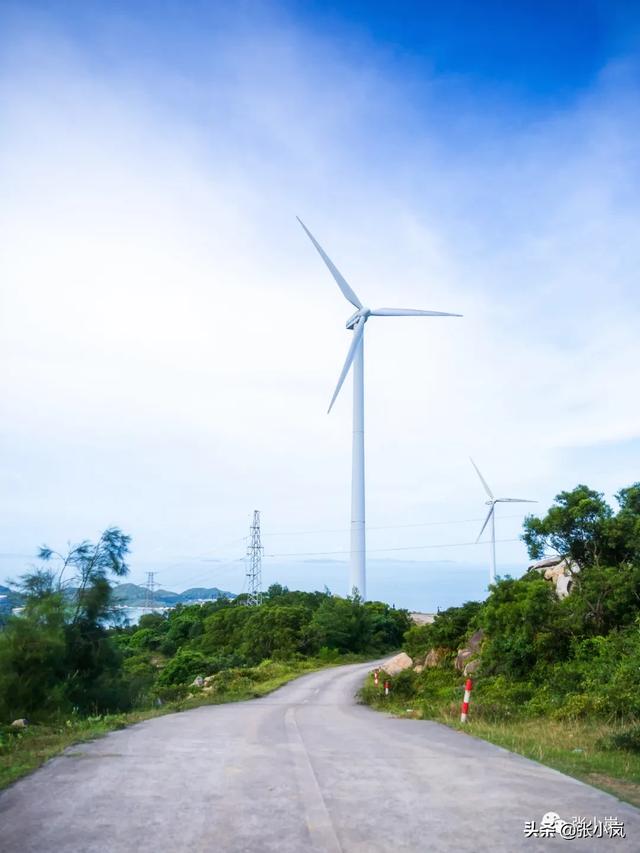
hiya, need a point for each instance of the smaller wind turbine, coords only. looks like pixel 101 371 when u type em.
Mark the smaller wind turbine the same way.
pixel 491 517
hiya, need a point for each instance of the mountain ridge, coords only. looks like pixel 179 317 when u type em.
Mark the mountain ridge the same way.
pixel 134 594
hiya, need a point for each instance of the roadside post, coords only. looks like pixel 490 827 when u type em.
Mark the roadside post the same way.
pixel 387 686
pixel 464 710
pixel 376 677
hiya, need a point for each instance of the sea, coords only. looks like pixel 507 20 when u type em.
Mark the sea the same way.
pixel 420 586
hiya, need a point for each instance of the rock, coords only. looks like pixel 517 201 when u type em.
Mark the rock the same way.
pixel 546 563
pixel 198 681
pixel 558 570
pixel 475 640
pixel 418 668
pixel 208 680
pixel 20 724
pixel 397 664
pixel 435 657
pixel 462 658
pixel 472 666
pixel 471 650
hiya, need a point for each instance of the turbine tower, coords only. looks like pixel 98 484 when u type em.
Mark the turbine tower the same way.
pixel 356 324
pixel 491 516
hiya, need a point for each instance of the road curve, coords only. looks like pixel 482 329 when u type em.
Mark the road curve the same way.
pixel 303 769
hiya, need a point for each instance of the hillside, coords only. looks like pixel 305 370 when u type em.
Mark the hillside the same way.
pixel 9 598
pixel 133 595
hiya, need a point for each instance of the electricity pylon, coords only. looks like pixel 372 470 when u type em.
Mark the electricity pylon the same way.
pixel 254 571
pixel 149 599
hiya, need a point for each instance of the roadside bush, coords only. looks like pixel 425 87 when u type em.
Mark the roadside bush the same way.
pixel 627 739
pixel 183 668
pixel 498 697
pixel 449 629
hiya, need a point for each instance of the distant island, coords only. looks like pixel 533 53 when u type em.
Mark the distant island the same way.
pixel 129 595
pixel 9 599
pixel 133 595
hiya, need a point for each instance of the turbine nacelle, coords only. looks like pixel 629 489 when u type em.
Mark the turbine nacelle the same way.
pixel 365 313
pixel 356 321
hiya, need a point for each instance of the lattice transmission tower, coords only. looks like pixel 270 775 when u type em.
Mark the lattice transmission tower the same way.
pixel 254 570
pixel 150 595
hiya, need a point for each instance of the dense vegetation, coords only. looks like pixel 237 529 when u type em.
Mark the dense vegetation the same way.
pixel 565 663
pixel 547 667
pixel 63 656
pixel 541 654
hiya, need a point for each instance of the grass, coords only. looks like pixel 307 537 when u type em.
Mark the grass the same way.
pixel 24 750
pixel 583 748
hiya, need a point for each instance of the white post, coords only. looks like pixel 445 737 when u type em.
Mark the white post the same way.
pixel 358 547
pixel 492 575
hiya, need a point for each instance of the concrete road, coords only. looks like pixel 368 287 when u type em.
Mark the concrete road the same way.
pixel 304 769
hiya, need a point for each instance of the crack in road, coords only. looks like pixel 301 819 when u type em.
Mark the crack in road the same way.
pixel 318 820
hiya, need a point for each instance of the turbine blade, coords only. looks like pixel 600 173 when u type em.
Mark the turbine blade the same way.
pixel 357 337
pixel 515 501
pixel 482 480
pixel 335 272
pixel 410 312
pixel 486 521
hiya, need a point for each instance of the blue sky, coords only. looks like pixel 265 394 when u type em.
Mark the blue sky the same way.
pixel 171 341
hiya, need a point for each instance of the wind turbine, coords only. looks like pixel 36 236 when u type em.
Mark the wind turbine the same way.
pixel 356 324
pixel 491 516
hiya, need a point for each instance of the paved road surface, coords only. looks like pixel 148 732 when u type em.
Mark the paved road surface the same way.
pixel 304 769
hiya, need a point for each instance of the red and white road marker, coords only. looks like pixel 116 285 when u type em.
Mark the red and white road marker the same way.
pixel 387 687
pixel 465 702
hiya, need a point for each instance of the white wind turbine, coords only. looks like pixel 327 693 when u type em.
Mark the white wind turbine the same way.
pixel 356 324
pixel 491 516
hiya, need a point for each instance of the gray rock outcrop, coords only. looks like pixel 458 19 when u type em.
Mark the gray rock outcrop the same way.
pixel 471 650
pixel 397 664
pixel 559 570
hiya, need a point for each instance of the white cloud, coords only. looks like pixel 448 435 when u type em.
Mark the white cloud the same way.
pixel 171 340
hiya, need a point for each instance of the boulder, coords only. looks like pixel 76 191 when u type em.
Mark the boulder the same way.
pixel 558 570
pixel 473 666
pixel 462 658
pixel 435 657
pixel 546 563
pixel 418 667
pixel 198 681
pixel 397 664
pixel 475 640
pixel 471 650
pixel 20 724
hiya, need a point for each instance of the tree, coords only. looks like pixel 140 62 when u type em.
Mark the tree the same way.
pixel 88 566
pixel 576 526
pixel 520 619
pixel 58 652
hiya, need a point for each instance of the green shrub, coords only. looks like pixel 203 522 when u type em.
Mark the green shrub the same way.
pixel 183 668
pixel 628 739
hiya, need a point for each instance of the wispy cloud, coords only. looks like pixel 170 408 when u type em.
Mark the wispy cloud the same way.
pixel 171 340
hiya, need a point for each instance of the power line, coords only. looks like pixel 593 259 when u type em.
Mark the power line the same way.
pixel 216 567
pixel 385 550
pixel 208 572
pixel 385 526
